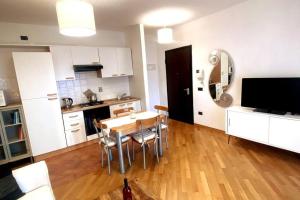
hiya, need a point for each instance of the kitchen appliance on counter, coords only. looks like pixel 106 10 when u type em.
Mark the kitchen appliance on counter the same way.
pixel 91 114
pixel 2 98
pixel 91 96
pixel 67 102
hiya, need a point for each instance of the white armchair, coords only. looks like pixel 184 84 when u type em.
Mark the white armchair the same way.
pixel 34 181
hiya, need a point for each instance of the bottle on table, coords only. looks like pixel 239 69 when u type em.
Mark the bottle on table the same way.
pixel 126 191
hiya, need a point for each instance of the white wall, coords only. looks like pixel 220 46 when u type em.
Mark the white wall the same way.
pixel 152 70
pixel 46 35
pixel 262 37
pixel 138 84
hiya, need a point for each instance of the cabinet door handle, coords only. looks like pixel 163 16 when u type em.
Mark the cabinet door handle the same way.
pixel 229 122
pixel 50 99
pixel 74 131
pixel 53 94
pixel 73 116
pixel 70 78
pixel 121 105
pixel 74 124
pixel 123 74
pixel 115 75
pixel 95 63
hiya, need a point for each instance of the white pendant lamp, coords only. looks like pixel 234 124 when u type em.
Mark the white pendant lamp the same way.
pixel 75 18
pixel 165 35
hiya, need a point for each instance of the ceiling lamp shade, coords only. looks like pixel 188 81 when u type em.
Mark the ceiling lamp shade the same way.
pixel 75 18
pixel 165 35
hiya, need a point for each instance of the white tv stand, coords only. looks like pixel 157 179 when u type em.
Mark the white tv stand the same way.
pixel 282 131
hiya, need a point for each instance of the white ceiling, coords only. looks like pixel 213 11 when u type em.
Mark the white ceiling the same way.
pixel 109 14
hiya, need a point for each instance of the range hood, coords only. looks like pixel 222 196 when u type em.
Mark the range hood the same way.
pixel 87 68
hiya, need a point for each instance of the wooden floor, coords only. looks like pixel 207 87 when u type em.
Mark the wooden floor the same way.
pixel 199 164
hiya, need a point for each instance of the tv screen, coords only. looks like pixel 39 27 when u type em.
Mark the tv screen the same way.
pixel 271 94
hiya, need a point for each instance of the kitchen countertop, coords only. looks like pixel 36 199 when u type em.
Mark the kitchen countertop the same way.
pixel 108 102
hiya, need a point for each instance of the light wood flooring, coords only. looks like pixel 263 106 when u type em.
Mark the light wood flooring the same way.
pixel 199 164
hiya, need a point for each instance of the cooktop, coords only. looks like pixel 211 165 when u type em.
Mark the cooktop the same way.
pixel 91 104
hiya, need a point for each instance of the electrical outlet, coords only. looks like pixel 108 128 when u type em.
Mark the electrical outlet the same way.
pixel 24 37
pixel 200 113
pixel 200 89
pixel 100 89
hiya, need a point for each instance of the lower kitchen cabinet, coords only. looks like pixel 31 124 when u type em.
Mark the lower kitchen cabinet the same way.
pixel 136 105
pixel 74 128
pixel 14 142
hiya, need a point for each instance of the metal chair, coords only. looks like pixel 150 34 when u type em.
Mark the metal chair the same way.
pixel 108 143
pixel 147 133
pixel 164 120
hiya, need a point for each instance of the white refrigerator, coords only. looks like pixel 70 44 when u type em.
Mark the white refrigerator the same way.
pixel 37 85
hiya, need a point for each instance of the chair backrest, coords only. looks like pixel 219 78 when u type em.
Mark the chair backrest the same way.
pixel 145 124
pixel 163 110
pixel 126 129
pixel 103 131
pixel 123 111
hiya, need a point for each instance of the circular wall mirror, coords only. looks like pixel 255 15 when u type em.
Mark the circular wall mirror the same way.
pixel 220 77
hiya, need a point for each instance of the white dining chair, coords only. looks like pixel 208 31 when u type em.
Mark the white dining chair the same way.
pixel 108 143
pixel 148 132
pixel 164 121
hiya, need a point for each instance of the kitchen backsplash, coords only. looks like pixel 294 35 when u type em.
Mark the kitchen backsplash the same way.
pixel 111 87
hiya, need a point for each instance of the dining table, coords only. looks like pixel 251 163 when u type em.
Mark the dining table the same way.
pixel 126 125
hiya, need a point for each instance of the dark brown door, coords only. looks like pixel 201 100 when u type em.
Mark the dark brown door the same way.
pixel 180 84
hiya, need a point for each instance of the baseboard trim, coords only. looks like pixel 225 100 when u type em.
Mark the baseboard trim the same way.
pixel 64 150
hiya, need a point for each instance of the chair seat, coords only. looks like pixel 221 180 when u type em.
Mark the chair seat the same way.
pixel 149 135
pixel 112 141
pixel 164 126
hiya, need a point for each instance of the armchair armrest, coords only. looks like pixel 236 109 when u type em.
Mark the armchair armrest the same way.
pixel 32 176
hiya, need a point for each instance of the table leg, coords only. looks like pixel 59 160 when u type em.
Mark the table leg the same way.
pixel 120 152
pixel 160 141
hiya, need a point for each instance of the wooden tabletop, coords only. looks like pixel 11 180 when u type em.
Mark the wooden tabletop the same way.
pixel 136 189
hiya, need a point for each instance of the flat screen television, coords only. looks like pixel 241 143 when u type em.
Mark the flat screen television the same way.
pixel 278 95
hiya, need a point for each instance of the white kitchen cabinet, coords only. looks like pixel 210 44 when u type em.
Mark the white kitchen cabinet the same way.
pixel 44 124
pixel 108 58
pixel 36 80
pixel 124 61
pixel 136 105
pixel 35 74
pixel 74 128
pixel 285 133
pixel 62 62
pixel 248 126
pixel 115 61
pixel 85 55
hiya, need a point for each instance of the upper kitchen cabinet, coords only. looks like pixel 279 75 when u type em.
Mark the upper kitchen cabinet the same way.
pixel 35 74
pixel 84 55
pixel 116 61
pixel 124 61
pixel 63 63
pixel 108 58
